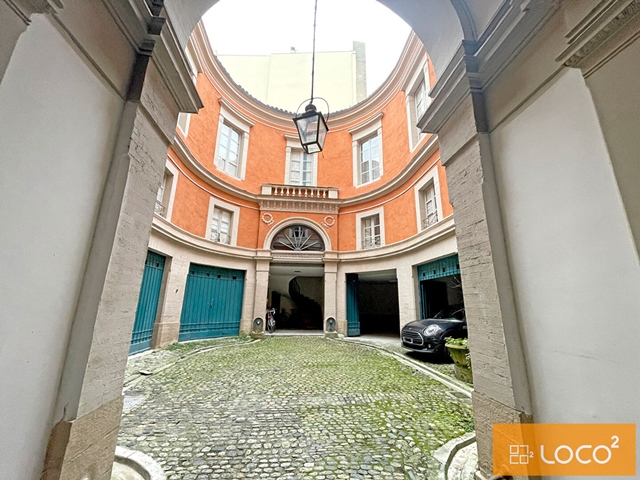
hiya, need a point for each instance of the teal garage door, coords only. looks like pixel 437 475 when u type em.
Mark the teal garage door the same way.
pixel 353 314
pixel 147 302
pixel 212 303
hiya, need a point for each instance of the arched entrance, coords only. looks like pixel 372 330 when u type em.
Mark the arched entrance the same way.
pixel 296 278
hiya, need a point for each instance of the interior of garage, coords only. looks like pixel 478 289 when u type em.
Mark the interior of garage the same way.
pixel 439 286
pixel 378 306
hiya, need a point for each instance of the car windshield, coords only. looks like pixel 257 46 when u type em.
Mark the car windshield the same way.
pixel 452 311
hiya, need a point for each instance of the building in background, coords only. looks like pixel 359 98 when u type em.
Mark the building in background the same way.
pixel 345 234
pixel 284 79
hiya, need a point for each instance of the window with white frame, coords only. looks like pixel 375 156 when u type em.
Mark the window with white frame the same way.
pixel 417 97
pixel 228 150
pixel 421 99
pixel 370 228
pixel 222 222
pixel 233 142
pixel 371 232
pixel 370 159
pixel 367 151
pixel 221 226
pixel 427 197
pixel 183 122
pixel 166 192
pixel 429 206
pixel 301 168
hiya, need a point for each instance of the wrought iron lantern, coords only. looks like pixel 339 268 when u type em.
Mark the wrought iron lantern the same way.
pixel 312 129
pixel 311 125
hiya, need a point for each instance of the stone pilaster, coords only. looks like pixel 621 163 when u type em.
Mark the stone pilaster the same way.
pixel 330 287
pixel 263 261
pixel 167 326
pixel 501 391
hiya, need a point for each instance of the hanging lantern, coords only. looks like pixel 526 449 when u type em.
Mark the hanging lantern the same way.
pixel 312 129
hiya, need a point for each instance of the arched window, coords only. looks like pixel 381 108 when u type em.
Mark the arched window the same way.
pixel 298 238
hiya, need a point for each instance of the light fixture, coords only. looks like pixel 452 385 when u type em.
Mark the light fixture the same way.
pixel 311 125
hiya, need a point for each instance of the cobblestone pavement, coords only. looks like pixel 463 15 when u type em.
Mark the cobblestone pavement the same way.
pixel 153 360
pixel 292 408
pixel 392 343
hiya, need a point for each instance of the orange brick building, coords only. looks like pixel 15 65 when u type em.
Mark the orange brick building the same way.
pixel 347 234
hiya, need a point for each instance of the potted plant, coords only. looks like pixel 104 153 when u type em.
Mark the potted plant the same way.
pixel 459 350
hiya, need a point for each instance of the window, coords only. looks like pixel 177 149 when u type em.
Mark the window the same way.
pixel 370 160
pixel 228 150
pixel 420 99
pixel 166 192
pixel 298 238
pixel 183 122
pixel 221 226
pixel 417 96
pixel 232 144
pixel 222 222
pixel 429 206
pixel 367 151
pixel 371 232
pixel 301 168
pixel 427 197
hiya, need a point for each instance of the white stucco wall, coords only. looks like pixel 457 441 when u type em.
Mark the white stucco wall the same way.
pixel 574 266
pixel 58 122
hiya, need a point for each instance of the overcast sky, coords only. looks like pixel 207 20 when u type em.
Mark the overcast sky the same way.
pixel 274 26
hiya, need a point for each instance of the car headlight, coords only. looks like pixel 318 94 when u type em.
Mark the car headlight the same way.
pixel 432 330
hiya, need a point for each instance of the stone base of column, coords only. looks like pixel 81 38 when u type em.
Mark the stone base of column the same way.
pixel 331 334
pixel 164 334
pixel 487 412
pixel 84 447
pixel 257 336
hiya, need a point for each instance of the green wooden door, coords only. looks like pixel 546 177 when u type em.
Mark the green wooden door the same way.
pixel 212 304
pixel 353 314
pixel 147 302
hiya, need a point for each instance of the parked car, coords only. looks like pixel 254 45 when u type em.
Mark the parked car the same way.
pixel 428 335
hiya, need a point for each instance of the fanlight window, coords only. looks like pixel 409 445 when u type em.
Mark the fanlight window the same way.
pixel 298 238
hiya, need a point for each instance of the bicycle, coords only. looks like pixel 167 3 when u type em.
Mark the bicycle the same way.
pixel 271 321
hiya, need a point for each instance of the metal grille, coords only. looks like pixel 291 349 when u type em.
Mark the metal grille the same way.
pixel 439 268
pixel 412 338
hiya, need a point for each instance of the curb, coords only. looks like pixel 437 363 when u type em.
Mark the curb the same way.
pixel 446 453
pixel 133 381
pixel 140 462
pixel 452 383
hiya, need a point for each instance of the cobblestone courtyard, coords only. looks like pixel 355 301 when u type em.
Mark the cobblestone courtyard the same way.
pixel 291 408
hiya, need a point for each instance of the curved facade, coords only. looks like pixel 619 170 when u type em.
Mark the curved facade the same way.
pixel 376 198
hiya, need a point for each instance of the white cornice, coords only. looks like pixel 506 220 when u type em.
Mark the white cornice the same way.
pixel 421 156
pixel 440 231
pixel 282 119
pixel 204 174
pixel 169 231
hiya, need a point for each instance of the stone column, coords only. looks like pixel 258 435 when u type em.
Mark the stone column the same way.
pixel 406 294
pixel 263 262
pixel 89 404
pixel 167 326
pixel 501 390
pixel 330 287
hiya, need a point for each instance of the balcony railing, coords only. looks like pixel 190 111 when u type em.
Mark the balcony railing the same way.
pixel 300 192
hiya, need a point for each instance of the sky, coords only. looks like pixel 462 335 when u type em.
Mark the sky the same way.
pixel 274 26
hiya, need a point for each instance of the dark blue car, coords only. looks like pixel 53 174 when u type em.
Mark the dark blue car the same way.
pixel 428 335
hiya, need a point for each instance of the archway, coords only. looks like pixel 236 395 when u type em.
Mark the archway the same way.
pixel 296 284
